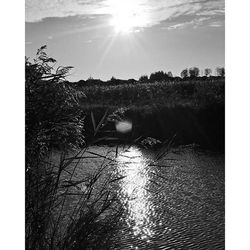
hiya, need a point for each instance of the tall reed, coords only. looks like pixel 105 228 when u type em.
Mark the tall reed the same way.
pixel 68 211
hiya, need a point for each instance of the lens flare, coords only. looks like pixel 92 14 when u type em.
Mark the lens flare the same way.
pixel 123 126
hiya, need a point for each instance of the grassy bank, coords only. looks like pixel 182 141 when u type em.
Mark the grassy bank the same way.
pixel 195 93
pixel 193 111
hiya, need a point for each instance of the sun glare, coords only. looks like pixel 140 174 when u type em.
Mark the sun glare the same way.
pixel 127 15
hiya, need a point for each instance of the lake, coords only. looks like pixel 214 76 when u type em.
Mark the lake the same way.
pixel 171 201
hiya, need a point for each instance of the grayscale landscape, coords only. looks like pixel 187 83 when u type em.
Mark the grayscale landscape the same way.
pixel 125 124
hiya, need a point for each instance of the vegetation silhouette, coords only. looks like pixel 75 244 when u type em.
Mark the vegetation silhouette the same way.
pixel 193 73
pixel 61 209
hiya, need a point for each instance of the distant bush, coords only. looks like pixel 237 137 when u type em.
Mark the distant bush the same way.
pixel 184 73
pixel 170 74
pixel 194 72
pixel 208 72
pixel 92 81
pixel 220 71
pixel 158 76
pixel 131 81
pixel 143 78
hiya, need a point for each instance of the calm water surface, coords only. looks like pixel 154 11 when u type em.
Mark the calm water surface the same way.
pixel 176 202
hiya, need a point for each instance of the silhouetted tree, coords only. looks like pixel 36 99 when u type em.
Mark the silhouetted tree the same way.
pixel 81 83
pixel 91 81
pixel 194 72
pixel 143 78
pixel 170 74
pixel 113 80
pixel 132 81
pixel 208 72
pixel 158 76
pixel 220 71
pixel 184 73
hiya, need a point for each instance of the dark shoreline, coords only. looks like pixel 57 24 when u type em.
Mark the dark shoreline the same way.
pixel 204 126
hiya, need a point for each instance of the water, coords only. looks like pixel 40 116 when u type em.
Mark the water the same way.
pixel 134 192
pixel 176 202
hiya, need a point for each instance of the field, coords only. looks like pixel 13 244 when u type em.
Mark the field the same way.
pixel 195 93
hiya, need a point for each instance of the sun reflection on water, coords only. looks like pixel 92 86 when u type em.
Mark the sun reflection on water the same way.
pixel 134 192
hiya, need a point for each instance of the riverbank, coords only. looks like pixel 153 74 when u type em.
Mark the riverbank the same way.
pixel 189 111
pixel 204 126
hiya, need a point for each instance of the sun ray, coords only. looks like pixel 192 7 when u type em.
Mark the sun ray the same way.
pixel 106 51
pixel 127 16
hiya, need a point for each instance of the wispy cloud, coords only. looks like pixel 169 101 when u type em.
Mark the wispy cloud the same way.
pixel 195 23
pixel 36 10
pixel 215 12
pixel 156 10
pixel 216 24
pixel 88 41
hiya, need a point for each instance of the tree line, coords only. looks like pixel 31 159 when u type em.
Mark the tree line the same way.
pixel 195 72
pixel 188 73
pixel 192 72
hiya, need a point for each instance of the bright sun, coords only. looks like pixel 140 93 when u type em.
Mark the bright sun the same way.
pixel 127 15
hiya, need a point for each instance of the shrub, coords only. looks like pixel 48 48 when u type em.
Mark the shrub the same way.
pixel 194 72
pixel 184 73
pixel 61 209
pixel 220 71
pixel 53 114
pixel 143 79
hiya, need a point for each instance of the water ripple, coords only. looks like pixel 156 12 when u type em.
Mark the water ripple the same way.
pixel 180 207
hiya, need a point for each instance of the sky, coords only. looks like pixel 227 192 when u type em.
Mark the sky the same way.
pixel 127 38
